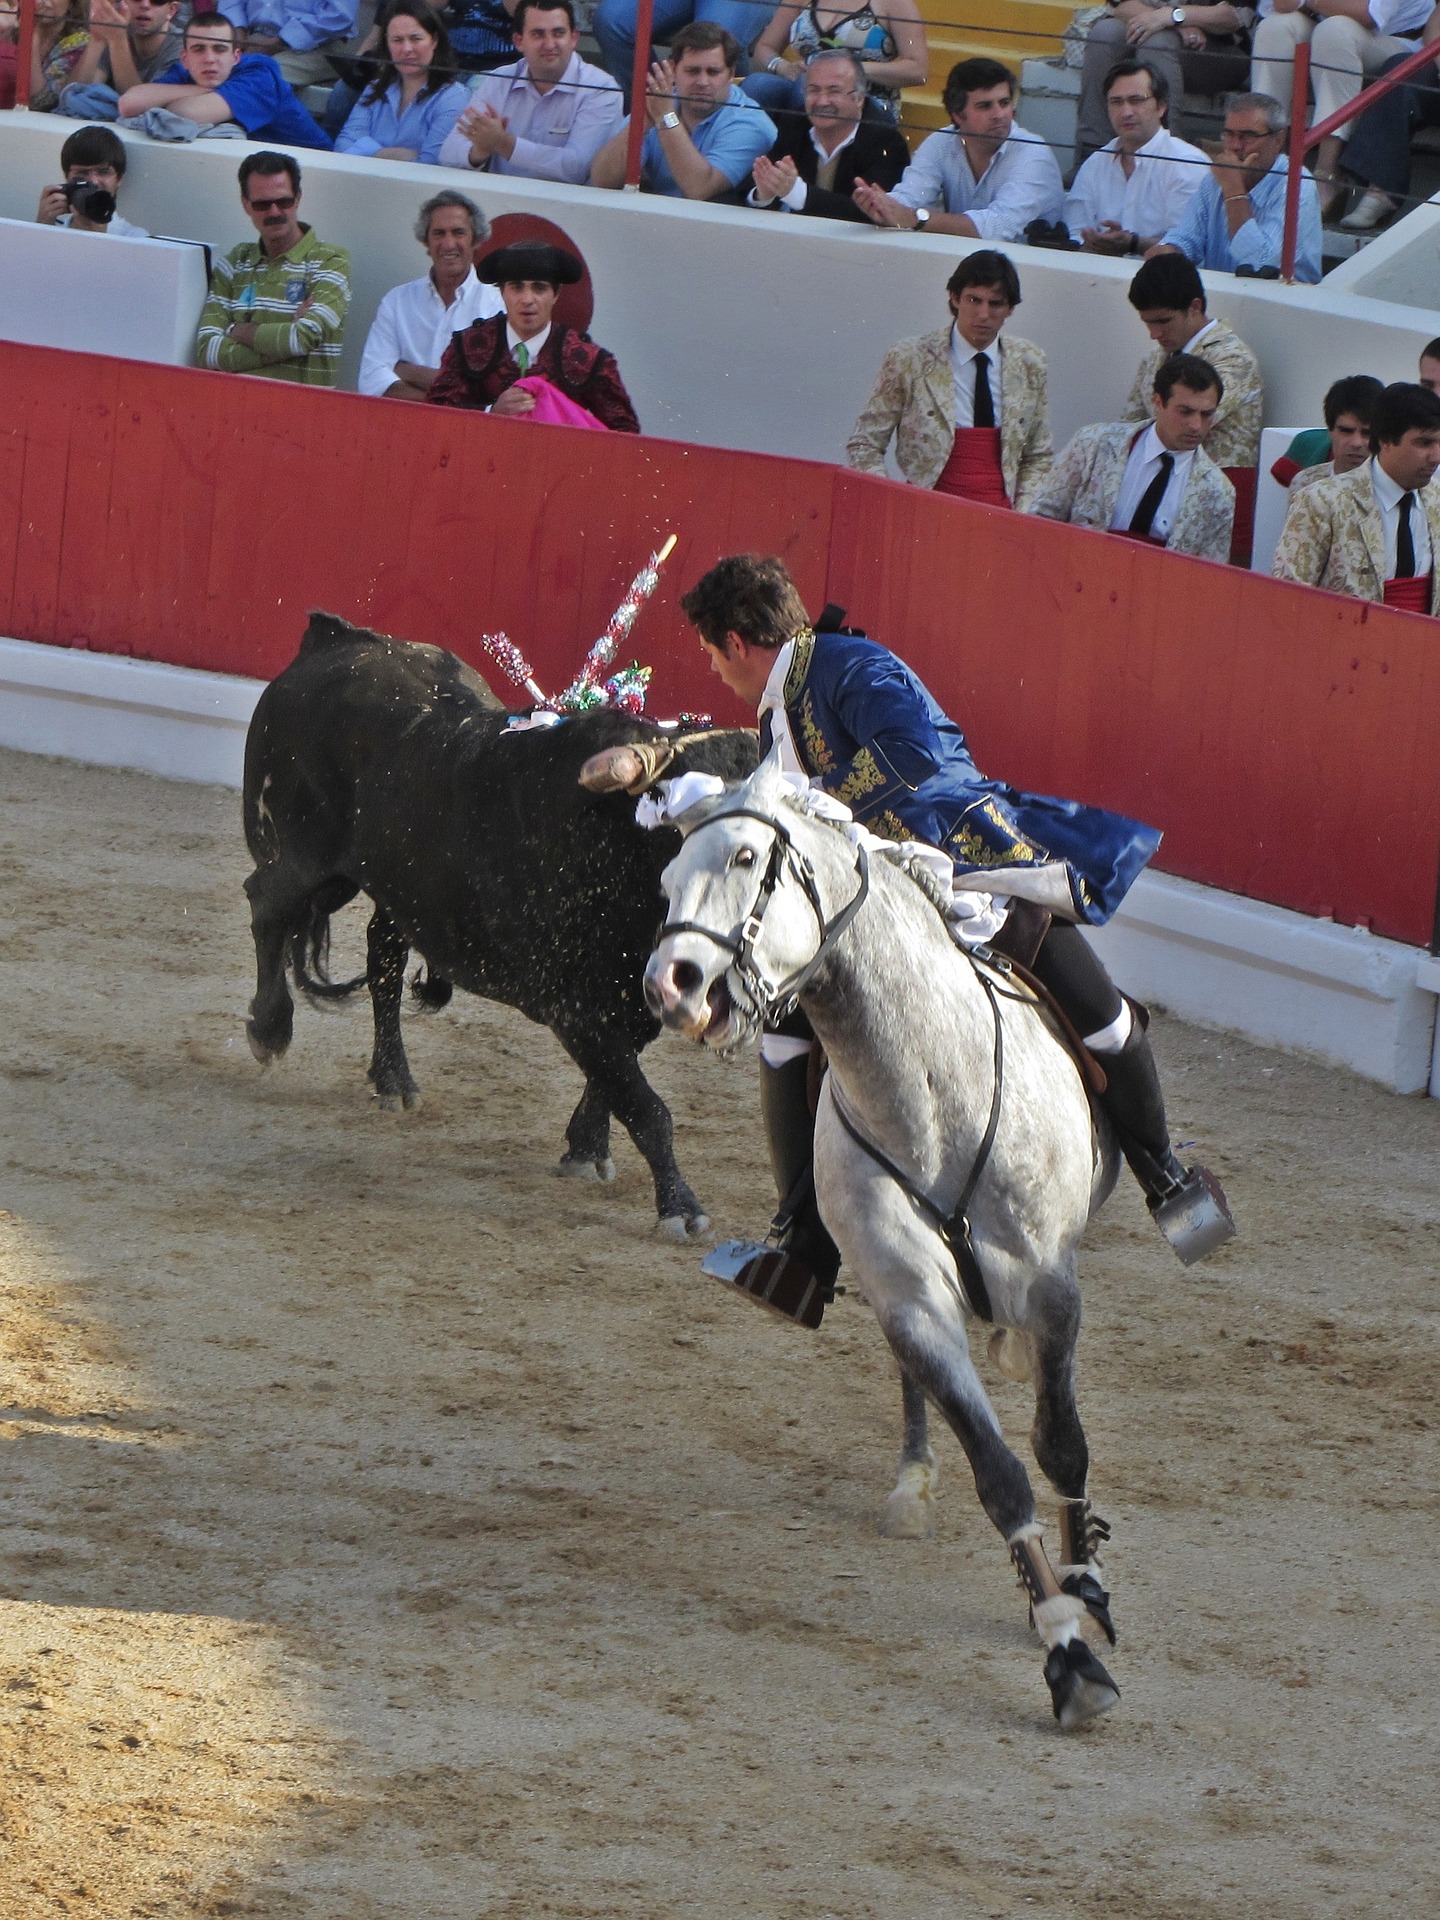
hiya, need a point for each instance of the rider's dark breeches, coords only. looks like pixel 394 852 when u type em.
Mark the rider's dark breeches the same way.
pixel 1069 967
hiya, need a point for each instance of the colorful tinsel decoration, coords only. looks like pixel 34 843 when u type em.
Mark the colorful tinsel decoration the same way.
pixel 586 692
pixel 625 690
pixel 513 664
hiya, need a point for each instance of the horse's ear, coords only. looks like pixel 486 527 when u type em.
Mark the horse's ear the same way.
pixel 766 778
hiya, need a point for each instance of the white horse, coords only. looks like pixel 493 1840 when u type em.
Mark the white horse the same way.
pixel 946 1087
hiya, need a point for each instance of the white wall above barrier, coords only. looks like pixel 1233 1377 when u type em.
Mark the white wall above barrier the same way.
pixel 140 299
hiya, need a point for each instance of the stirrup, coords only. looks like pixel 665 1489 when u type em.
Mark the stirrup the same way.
pixel 772 1278
pixel 1194 1215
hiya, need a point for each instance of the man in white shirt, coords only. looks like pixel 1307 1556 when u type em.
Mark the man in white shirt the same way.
pixel 1154 483
pixel 1136 188
pixel 1350 40
pixel 93 162
pixel 414 322
pixel 548 114
pixel 1374 533
pixel 983 177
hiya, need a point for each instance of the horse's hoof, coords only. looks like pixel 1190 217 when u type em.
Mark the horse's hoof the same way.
pixel 697 1226
pixel 581 1166
pixel 1080 1688
pixel 673 1226
pixel 1011 1351
pixel 263 1053
pixel 411 1098
pixel 909 1510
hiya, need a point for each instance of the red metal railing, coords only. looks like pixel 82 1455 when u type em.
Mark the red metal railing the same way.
pixel 1303 138
pixel 24 53
pixel 639 86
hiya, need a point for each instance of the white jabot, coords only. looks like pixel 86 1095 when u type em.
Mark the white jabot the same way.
pixel 1388 496
pixel 772 701
pixel 413 323
pixel 1140 470
pixel 962 368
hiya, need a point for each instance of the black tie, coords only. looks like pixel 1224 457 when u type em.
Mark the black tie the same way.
pixel 767 731
pixel 1150 500
pixel 1404 541
pixel 984 400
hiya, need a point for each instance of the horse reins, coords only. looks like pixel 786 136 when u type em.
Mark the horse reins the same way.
pixel 768 1002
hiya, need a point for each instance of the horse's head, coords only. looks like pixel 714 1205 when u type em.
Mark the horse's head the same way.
pixel 747 922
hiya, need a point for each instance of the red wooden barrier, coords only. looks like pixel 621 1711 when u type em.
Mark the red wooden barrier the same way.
pixel 1286 741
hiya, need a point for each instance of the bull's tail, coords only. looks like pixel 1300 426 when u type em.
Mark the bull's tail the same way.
pixel 431 989
pixel 310 960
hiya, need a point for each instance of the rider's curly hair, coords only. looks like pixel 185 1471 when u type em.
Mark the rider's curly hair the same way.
pixel 751 594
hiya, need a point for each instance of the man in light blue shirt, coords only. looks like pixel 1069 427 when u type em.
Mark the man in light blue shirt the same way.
pixel 982 177
pixel 297 34
pixel 1237 216
pixel 545 117
pixel 705 135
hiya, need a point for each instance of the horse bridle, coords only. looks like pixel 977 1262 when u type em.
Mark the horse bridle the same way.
pixel 774 1003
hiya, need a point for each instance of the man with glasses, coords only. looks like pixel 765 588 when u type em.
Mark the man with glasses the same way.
pixel 814 165
pixel 1236 220
pixel 1137 187
pixel 94 157
pixel 214 81
pixel 277 306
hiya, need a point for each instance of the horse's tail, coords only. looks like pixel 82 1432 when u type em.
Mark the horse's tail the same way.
pixel 310 960
pixel 431 989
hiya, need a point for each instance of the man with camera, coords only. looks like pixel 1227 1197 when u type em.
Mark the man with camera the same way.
pixel 93 162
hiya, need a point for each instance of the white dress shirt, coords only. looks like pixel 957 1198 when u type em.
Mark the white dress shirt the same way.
pixel 1388 497
pixel 117 227
pixel 413 323
pixel 1140 470
pixel 1399 17
pixel 962 367
pixel 1166 172
pixel 1022 183
pixel 532 345
pixel 557 133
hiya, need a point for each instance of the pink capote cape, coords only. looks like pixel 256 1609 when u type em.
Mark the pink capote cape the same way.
pixel 553 408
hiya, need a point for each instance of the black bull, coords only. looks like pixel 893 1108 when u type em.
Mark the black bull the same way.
pixel 376 767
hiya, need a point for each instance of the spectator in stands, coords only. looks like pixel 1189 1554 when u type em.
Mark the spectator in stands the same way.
pixel 983 176
pixel 814 164
pixel 277 306
pixel 214 82
pixel 704 135
pixel 59 39
pixel 1349 40
pixel 482 32
pixel 9 52
pixel 966 408
pixel 613 25
pixel 1156 483
pixel 483 364
pixel 299 35
pixel 130 42
pixel 96 156
pixel 887 37
pixel 1377 154
pixel 1237 216
pixel 414 322
pixel 412 104
pixel 1137 186
pixel 545 115
pixel 1205 48
pixel 1430 366
pixel 1349 414
pixel 1374 532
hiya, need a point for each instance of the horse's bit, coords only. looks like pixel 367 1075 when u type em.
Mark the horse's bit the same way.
pixel 774 1003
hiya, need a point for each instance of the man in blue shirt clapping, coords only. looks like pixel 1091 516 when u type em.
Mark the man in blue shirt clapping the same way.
pixel 705 135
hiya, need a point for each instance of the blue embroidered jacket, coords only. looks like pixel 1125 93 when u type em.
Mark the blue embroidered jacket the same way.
pixel 871 733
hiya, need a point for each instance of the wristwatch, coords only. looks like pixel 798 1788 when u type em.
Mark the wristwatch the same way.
pixel 922 217
pixel 670 120
pixel 1177 15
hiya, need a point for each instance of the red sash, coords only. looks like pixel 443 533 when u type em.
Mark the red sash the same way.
pixel 973 470
pixel 1242 537
pixel 1412 595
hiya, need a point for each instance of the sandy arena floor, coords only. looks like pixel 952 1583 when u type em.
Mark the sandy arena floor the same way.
pixel 393 1530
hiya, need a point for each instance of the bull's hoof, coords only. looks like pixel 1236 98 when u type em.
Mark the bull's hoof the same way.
pixel 1080 1688
pixel 263 1050
pixel 582 1166
pixel 909 1510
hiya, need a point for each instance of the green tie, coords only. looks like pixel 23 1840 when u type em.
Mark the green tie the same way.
pixel 522 357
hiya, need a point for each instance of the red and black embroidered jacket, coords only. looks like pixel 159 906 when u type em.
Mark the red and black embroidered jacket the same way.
pixel 478 367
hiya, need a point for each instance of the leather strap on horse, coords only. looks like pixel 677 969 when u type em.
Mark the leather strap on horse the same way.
pixel 954 1228
pixel 1092 1074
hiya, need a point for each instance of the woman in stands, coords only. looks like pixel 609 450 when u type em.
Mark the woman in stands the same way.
pixel 61 36
pixel 886 36
pixel 415 98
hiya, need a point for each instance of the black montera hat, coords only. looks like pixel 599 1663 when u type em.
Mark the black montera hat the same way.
pixel 530 260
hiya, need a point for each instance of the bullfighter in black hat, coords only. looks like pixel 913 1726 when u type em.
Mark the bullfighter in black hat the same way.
pixel 484 361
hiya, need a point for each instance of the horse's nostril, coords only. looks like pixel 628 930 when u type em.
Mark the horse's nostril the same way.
pixel 686 977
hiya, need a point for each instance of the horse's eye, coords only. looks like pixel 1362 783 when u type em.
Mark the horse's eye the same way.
pixel 743 857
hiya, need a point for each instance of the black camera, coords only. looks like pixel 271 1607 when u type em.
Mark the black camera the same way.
pixel 89 201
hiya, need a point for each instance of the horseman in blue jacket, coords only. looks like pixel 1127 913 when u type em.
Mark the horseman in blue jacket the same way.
pixel 850 717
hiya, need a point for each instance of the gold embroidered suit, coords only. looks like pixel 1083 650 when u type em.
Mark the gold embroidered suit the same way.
pixel 1085 486
pixel 1334 537
pixel 1235 437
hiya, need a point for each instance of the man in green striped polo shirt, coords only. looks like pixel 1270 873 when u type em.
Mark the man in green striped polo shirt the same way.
pixel 276 306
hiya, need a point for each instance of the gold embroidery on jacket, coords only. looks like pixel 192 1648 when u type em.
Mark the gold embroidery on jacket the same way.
pixel 865 776
pixel 812 741
pixel 799 670
pixel 889 826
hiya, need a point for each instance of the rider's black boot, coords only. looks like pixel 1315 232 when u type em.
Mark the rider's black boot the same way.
pixel 1188 1202
pixel 794 1272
